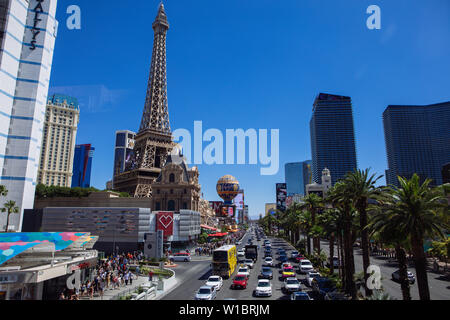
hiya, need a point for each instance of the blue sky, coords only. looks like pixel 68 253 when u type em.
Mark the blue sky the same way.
pixel 252 64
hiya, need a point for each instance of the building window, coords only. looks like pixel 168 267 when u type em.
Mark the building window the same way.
pixel 158 205
pixel 172 178
pixel 171 205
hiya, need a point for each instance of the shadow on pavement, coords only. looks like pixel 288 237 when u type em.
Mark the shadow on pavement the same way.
pixel 206 275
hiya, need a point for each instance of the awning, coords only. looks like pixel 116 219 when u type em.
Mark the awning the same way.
pixel 218 234
pixel 208 227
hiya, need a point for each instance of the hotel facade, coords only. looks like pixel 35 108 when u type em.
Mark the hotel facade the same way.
pixel 28 31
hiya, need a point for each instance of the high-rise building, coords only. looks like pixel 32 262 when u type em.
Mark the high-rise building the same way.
pixel 417 141
pixel 27 38
pixel 123 153
pixel 297 175
pixel 58 141
pixel 446 173
pixel 82 166
pixel 332 136
pixel 154 139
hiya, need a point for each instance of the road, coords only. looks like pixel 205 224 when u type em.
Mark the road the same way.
pixel 193 275
pixel 439 287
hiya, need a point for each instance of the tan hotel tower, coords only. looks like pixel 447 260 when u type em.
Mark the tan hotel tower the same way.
pixel 58 141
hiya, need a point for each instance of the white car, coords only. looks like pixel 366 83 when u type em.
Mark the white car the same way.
pixel 305 266
pixel 215 281
pixel 206 293
pixel 292 285
pixel 268 261
pixel 244 271
pixel 310 277
pixel 181 257
pixel 294 254
pixel 249 263
pixel 263 289
pixel 241 251
pixel 241 256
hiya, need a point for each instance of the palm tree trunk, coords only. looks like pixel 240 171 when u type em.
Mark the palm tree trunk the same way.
pixel 308 244
pixel 364 246
pixel 341 258
pixel 404 281
pixel 331 253
pixel 349 260
pixel 420 263
pixel 7 221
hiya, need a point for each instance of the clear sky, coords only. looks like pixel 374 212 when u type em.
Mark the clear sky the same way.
pixel 252 64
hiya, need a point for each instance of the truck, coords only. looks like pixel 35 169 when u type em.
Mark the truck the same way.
pixel 251 252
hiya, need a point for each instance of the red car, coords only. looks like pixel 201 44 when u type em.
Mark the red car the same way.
pixel 300 258
pixel 240 282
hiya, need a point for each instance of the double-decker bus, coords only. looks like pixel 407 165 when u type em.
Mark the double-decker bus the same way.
pixel 224 261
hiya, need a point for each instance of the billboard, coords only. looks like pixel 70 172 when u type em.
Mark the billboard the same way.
pixel 239 200
pixel 164 222
pixel 281 190
pixel 215 205
pixel 227 211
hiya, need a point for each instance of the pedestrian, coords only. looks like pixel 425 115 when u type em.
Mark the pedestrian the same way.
pixel 150 275
pixel 62 296
pixel 130 275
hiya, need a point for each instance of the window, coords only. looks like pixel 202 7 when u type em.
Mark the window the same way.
pixel 172 178
pixel 171 205
pixel 158 205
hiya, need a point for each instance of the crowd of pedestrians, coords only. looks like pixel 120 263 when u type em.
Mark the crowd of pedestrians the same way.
pixel 110 274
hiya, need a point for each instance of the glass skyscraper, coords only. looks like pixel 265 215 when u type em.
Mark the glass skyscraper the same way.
pixel 82 166
pixel 417 141
pixel 297 176
pixel 332 137
pixel 123 153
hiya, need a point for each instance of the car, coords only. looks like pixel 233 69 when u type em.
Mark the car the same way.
pixel 288 268
pixel 268 261
pixel 287 274
pixel 299 258
pixel 239 242
pixel 294 254
pixel 244 271
pixel 396 277
pixel 181 256
pixel 206 293
pixel 268 254
pixel 291 285
pixel 305 266
pixel 241 256
pixel 249 263
pixel 285 264
pixel 334 295
pixel 310 276
pixel 282 259
pixel 240 281
pixel 215 281
pixel 300 295
pixel 263 289
pixel 323 285
pixel 266 273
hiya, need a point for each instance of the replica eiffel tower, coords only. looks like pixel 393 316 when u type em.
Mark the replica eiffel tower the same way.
pixel 153 142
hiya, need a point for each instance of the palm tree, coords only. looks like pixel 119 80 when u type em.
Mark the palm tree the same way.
pixel 341 200
pixel 312 202
pixel 10 207
pixel 361 188
pixel 416 210
pixel 305 225
pixel 3 191
pixel 385 230
pixel 328 220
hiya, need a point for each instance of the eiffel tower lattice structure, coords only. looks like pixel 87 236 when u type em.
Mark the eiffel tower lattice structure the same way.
pixel 154 141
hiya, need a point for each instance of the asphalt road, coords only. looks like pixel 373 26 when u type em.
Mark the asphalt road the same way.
pixel 194 274
pixel 439 287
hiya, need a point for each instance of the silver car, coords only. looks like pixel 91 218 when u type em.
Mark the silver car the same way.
pixel 206 293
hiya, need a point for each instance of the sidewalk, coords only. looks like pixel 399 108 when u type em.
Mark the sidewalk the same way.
pixel 110 293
